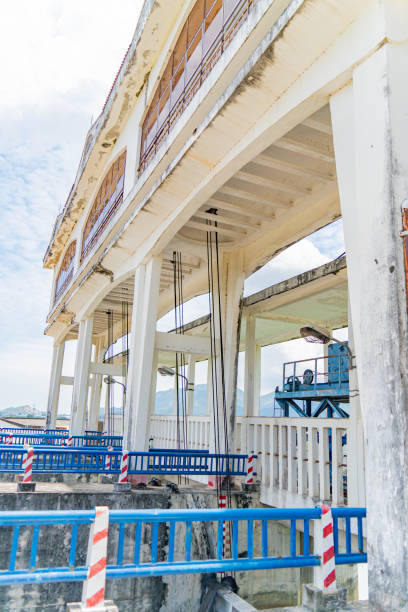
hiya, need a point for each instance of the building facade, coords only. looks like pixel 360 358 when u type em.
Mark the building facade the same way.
pixel 233 129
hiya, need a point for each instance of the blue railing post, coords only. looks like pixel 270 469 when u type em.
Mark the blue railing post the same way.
pixel 34 572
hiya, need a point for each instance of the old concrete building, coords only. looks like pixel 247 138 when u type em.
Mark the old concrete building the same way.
pixel 233 129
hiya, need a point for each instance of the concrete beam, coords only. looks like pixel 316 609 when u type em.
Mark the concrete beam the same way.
pixel 182 343
pixel 106 369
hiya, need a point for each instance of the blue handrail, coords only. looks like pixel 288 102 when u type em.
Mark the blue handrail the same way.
pixel 39 439
pixel 177 450
pixel 84 461
pixel 24 430
pixel 125 549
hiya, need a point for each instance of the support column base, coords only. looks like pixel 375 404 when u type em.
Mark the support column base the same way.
pixel 122 487
pixel 319 600
pixel 106 606
pixel 138 479
pixel 26 487
pixel 250 488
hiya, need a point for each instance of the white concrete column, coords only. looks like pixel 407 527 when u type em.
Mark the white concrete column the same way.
pixel 356 493
pixel 175 390
pixel 153 386
pixel 81 378
pixel 142 339
pixel 55 385
pixel 190 389
pixel 209 398
pixel 252 370
pixel 95 402
pixel 231 288
pixel 370 126
pixel 106 410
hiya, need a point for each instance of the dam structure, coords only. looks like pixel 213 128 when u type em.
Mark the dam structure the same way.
pixel 233 130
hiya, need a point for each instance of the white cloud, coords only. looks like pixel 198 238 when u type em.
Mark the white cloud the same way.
pixel 61 60
pixel 54 47
pixel 298 258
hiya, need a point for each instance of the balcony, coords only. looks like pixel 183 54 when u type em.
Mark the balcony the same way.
pixel 184 76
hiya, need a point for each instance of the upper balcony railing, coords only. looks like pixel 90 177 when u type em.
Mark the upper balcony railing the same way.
pixel 209 29
pixel 66 271
pixel 107 201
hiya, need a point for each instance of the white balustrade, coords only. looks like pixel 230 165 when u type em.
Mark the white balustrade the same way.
pixel 163 430
pixel 301 461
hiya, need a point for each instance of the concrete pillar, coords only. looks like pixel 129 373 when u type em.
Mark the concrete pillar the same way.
pixel 209 399
pixel 370 125
pixel 190 389
pixel 142 339
pixel 106 410
pixel 175 390
pixel 81 378
pixel 55 385
pixel 231 288
pixel 95 402
pixel 252 383
pixel 153 386
pixel 356 491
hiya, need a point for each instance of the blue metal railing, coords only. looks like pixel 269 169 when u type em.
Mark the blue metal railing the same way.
pixel 178 450
pixel 39 430
pixel 130 525
pixel 80 461
pixel 40 439
pixel 327 372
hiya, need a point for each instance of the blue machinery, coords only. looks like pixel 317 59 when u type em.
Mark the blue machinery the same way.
pixel 48 460
pixel 309 391
pixel 128 561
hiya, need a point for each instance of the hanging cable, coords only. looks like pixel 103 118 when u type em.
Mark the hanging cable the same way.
pixel 125 350
pixel 220 417
pixel 111 396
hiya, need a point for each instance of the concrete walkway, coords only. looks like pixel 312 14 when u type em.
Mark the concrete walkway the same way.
pixel 353 606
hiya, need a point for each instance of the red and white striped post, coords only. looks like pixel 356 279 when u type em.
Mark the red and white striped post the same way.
pixel 124 466
pixel 93 592
pixel 325 574
pixel 9 439
pixel 226 542
pixel 328 561
pixel 69 441
pixel 108 459
pixel 249 478
pixel 28 464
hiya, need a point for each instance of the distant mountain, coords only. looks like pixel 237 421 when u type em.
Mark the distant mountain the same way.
pixel 164 402
pixel 21 411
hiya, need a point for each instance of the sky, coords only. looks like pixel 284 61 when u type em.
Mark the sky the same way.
pixel 59 59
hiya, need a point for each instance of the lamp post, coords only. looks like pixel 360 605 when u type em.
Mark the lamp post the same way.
pixel 166 371
pixel 310 334
pixel 109 380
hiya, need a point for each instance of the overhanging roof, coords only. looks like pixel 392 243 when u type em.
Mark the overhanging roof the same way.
pixel 318 296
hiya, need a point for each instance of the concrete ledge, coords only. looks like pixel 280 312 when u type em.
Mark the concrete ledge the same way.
pixel 317 600
pixel 227 601
pixel 251 488
pixel 107 606
pixel 26 487
pixel 122 487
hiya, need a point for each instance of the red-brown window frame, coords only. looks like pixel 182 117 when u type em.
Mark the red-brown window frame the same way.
pixel 159 123
pixel 66 270
pixel 105 204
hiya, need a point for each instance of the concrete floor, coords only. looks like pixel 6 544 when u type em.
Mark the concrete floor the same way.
pixel 100 487
pixel 356 606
